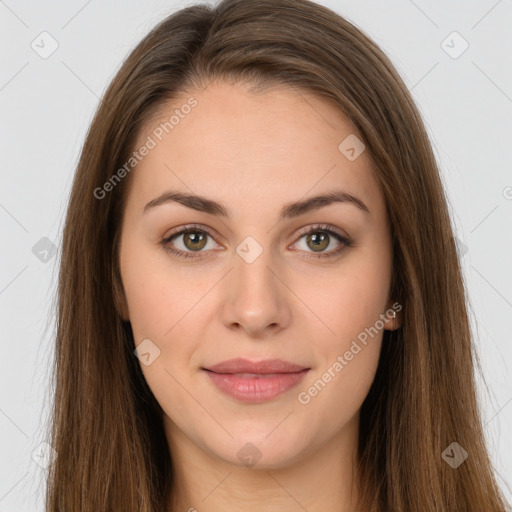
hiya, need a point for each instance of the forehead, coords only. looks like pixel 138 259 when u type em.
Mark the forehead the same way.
pixel 277 144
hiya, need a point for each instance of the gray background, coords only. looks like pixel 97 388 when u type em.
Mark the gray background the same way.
pixel 47 104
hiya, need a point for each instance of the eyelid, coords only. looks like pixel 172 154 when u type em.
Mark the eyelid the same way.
pixel 321 227
pixel 329 228
pixel 188 227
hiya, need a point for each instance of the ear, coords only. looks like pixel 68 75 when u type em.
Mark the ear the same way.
pixel 393 316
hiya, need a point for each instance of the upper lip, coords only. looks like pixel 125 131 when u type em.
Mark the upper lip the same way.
pixel 240 365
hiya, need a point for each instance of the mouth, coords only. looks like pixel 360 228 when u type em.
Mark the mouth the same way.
pixel 254 375
pixel 255 382
pixel 265 367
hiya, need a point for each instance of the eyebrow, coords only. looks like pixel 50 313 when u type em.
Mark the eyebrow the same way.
pixel 289 210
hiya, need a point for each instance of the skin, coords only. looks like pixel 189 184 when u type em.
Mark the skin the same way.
pixel 255 153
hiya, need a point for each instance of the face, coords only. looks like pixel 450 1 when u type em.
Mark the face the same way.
pixel 256 277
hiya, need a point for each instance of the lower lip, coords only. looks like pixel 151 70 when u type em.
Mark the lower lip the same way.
pixel 255 389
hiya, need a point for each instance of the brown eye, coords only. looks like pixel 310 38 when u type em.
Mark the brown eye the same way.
pixel 194 240
pixel 185 242
pixel 318 242
pixel 318 238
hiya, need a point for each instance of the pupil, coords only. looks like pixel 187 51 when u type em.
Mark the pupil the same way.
pixel 194 239
pixel 318 240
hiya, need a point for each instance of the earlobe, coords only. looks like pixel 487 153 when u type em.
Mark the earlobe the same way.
pixel 396 321
pixel 393 317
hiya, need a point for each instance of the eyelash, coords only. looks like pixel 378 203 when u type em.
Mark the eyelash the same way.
pixel 325 228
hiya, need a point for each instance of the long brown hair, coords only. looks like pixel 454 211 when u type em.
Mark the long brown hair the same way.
pixel 106 425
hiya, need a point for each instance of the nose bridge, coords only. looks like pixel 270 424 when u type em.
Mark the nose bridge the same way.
pixel 256 298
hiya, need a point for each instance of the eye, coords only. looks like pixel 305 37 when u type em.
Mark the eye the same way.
pixel 195 238
pixel 318 238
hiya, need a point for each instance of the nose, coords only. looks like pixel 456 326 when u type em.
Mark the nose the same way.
pixel 256 298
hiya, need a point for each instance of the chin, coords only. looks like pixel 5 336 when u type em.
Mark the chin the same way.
pixel 260 453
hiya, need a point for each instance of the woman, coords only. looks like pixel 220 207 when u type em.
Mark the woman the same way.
pixel 260 302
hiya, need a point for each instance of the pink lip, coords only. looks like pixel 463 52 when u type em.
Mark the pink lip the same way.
pixel 240 365
pixel 267 379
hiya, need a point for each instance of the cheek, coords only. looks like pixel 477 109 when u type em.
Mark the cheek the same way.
pixel 350 329
pixel 348 301
pixel 158 294
pixel 347 360
pixel 165 307
pixel 161 309
pixel 334 397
